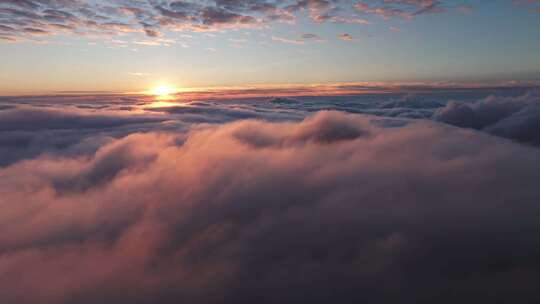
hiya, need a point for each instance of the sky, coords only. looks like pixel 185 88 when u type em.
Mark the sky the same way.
pixel 133 45
pixel 269 151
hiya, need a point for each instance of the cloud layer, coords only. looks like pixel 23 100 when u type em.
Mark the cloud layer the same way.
pixel 64 125
pixel 34 18
pixel 336 208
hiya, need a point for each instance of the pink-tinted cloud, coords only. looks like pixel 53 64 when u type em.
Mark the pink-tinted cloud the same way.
pixel 323 210
pixel 19 18
pixel 34 19
pixel 25 19
pixel 288 40
pixel 406 9
pixel 346 37
pixel 302 39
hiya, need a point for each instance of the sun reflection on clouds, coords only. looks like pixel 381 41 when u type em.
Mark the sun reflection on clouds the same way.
pixel 164 104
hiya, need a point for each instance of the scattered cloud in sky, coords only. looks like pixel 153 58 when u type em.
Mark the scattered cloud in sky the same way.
pixel 140 74
pixel 406 9
pixel 346 37
pixel 26 19
pixel 287 40
pixel 33 19
pixel 301 39
pixel 308 36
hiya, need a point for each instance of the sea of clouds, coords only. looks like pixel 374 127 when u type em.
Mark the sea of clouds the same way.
pixel 381 198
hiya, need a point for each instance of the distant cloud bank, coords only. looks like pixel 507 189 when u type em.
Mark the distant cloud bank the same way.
pixel 512 117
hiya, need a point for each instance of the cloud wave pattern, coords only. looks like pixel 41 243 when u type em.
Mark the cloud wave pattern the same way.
pixel 334 207
pixel 68 125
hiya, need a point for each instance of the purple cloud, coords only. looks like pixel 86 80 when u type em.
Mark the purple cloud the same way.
pixel 512 117
pixel 346 37
pixel 152 17
pixel 406 9
pixel 333 208
pixel 32 19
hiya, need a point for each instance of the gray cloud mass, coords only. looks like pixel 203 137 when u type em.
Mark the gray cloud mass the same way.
pixel 512 117
pixel 111 199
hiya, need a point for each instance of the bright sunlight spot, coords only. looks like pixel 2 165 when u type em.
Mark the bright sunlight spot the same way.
pixel 162 90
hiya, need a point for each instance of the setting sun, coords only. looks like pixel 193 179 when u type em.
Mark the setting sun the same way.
pixel 162 90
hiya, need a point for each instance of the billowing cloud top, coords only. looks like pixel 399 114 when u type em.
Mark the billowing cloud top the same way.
pixel 124 199
pixel 335 208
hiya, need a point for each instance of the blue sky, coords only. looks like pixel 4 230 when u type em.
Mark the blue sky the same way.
pixel 316 41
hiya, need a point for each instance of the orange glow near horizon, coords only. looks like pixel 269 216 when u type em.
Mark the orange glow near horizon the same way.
pixel 163 92
pixel 166 91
